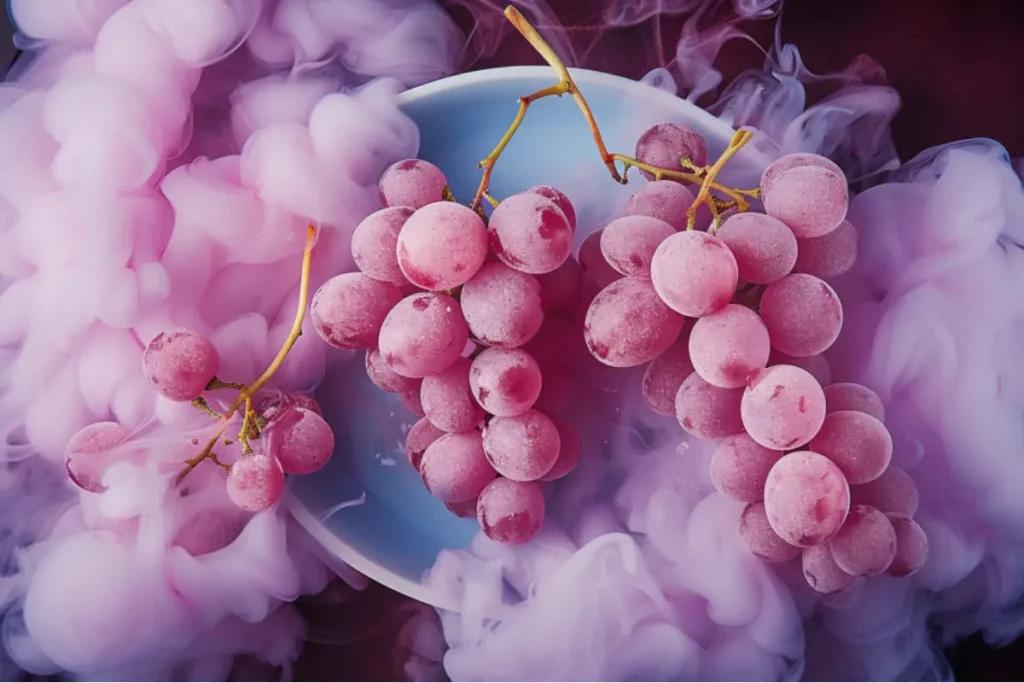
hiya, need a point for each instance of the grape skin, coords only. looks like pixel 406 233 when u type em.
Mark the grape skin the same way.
pixel 384 377
pixel 179 364
pixel 628 244
pixel 560 199
pixel 419 438
pixel 255 482
pixel 822 573
pixel 893 493
pixel 511 512
pixel 740 466
pixel 662 199
pixel 530 233
pixel 708 411
pixel 694 273
pixel 830 255
pixel 794 160
pixel 783 407
pixel 911 546
pixel 561 288
pixel 627 324
pixel 375 244
pixel 728 346
pixel 503 306
pixel 524 447
pixel 569 451
pixel 764 247
pixel 441 246
pixel 349 309
pixel 86 456
pixel 665 144
pixel 811 200
pixel 857 443
pixel 806 498
pixel 759 537
pixel 447 400
pixel 665 375
pixel 411 182
pixel 454 468
pixel 506 382
pixel 411 400
pixel 423 334
pixel 275 404
pixel 866 543
pixel 593 263
pixel 803 314
pixel 300 440
pixel 817 365
pixel 852 396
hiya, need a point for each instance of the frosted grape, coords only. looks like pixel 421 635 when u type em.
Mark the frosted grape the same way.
pixel 466 510
pixel 708 411
pixel 179 364
pixel 423 334
pixel 503 306
pixel 442 245
pixel 759 537
pixel 511 512
pixel 349 309
pixel 830 255
pixel 530 233
pixel 765 249
pixel 569 451
pixel 911 546
pixel 278 403
pixel 375 244
pixel 694 273
pixel 454 467
pixel 447 401
pixel 300 440
pixel 852 396
pixel 524 447
pixel 86 457
pixel 740 466
pixel 857 443
pixel 386 378
pixel 627 324
pixel 411 182
pixel 560 289
pixel 728 346
pixel 783 407
pixel 665 375
pixel 795 160
pixel 593 263
pixel 806 498
pixel 411 401
pixel 506 382
pixel 628 244
pixel 803 314
pixel 817 365
pixel 561 201
pixel 893 493
pixel 666 144
pixel 866 543
pixel 662 199
pixel 255 482
pixel 811 200
pixel 419 438
pixel 822 573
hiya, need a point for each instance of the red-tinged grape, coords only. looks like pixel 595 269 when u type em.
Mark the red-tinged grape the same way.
pixel 822 573
pixel 666 144
pixel 628 244
pixel 694 273
pixel 569 451
pixel 911 546
pixel 86 456
pixel 728 346
pixel 561 201
pixel 455 469
pixel 806 498
pixel 759 537
pixel 423 334
pixel 783 407
pixel 524 447
pixel 255 482
pixel 740 466
pixel 279 401
pixel 300 440
pixel 817 365
pixel 665 375
pixel 419 438
pixel 593 263
pixel 386 378
pixel 511 512
pixel 803 314
pixel 530 233
pixel 506 382
pixel 830 255
pixel 349 309
pixel 857 443
pixel 794 160
pixel 662 199
pixel 411 182
pixel 852 396
pixel 503 306
pixel 465 510
pixel 893 493
pixel 707 411
pixel 560 289
pixel 375 244
pixel 411 401
pixel 811 200
pixel 447 400
pixel 764 247
pixel 627 324
pixel 866 543
pixel 179 364
pixel 442 245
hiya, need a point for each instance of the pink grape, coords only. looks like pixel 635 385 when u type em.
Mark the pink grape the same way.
pixel 803 314
pixel 893 493
pixel 524 447
pixel 411 401
pixel 179 364
pixel 455 469
pixel 740 466
pixel 817 365
pixel 783 407
pixel 806 498
pixel 628 244
pixel 665 145
pixel 447 400
pixel 866 543
pixel 530 233
pixel 278 402
pixel 857 443
pixel 822 573
pixel 759 537
pixel 628 325
pixel 349 309
pixel 386 378
pixel 503 306
pixel 728 346
pixel 561 201
pixel 811 200
pixel 795 160
pixel 419 438
pixel 665 375
pixel 694 273
pixel 561 288
pixel 255 482
pixel 830 255
pixel 411 182
pixel 911 546
pixel 593 263
pixel 86 457
pixel 765 249
pixel 506 382
pixel 569 451
pixel 465 510
pixel 852 396
pixel 375 244
pixel 511 512
pixel 423 334
pixel 442 245
pixel 300 440
pixel 662 199
pixel 708 411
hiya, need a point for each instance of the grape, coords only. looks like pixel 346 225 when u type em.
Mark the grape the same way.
pixel 857 443
pixel 694 273
pixel 530 233
pixel 556 388
pixel 561 288
pixel 447 401
pixel 795 160
pixel 300 440
pixel 593 263
pixel 759 537
pixel 765 249
pixel 911 546
pixel 665 145
pixel 411 400
pixel 811 200
pixel 348 310
pixel 728 346
pixel 419 438
pixel 375 244
pixel 783 407
pixel 830 255
pixel 866 543
pixel 627 324
pixel 708 411
pixel 851 396
pixel 278 402
pixel 817 365
pixel 502 306
pixel 662 199
pixel 465 510
pixel 442 245
pixel 386 378
pixel 179 364
pixel 740 466
pixel 628 244
pixel 560 200
pixel 806 498
pixel 524 447
pixel 506 382
pixel 454 467
pixel 893 493
pixel 511 512
pixel 423 334
pixel 822 572
pixel 803 314
pixel 255 482
pixel 569 451
pixel 413 183
pixel 665 375
pixel 86 456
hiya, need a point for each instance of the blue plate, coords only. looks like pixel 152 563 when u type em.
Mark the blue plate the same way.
pixel 396 530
